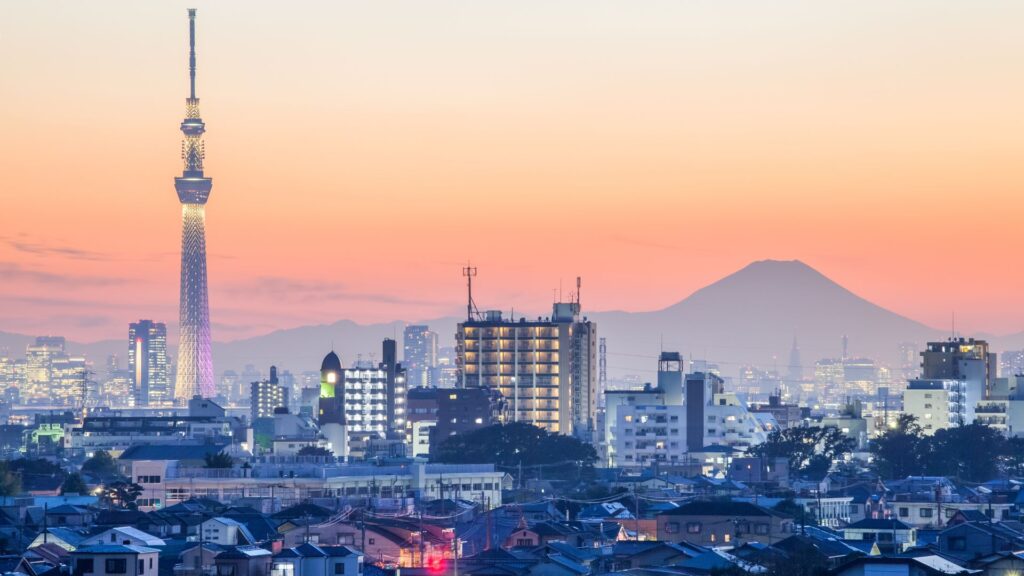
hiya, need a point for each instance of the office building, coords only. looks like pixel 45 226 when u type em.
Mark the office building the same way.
pixel 69 381
pixel 147 363
pixel 546 369
pixel 419 354
pixel 961 359
pixel 195 362
pixel 38 365
pixel 268 396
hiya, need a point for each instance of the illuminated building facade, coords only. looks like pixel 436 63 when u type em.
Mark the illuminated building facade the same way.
pixel 195 365
pixel 353 406
pixel 147 363
pixel 267 396
pixel 545 369
pixel 419 355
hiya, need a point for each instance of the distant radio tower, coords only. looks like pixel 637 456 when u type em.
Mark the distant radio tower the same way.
pixel 471 311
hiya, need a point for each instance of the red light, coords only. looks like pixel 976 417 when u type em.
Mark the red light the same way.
pixel 435 564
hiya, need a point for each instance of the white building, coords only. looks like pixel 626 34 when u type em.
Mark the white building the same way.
pixel 938 403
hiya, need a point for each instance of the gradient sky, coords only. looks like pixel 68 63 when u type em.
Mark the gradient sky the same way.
pixel 362 151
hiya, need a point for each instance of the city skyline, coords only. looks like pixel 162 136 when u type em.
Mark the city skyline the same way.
pixel 834 157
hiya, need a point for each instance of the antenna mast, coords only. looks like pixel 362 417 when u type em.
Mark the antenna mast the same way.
pixel 471 311
pixel 192 52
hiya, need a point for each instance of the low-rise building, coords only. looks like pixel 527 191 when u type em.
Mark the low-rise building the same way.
pixel 722 523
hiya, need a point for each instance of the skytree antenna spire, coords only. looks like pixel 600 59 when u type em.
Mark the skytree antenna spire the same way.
pixel 195 365
pixel 192 52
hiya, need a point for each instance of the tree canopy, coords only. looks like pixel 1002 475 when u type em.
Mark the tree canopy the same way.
pixel 811 450
pixel 512 445
pixel 314 451
pixel 974 452
pixel 219 460
pixel 101 465
pixel 74 484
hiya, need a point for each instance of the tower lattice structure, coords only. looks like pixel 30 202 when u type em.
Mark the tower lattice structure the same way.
pixel 195 365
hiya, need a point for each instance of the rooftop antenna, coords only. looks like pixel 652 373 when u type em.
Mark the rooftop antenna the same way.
pixel 192 52
pixel 579 282
pixel 953 326
pixel 469 272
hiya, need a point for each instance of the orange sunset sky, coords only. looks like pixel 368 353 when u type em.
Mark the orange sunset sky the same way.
pixel 362 151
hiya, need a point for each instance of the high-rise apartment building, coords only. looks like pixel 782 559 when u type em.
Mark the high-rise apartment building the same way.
pixel 397 388
pixel 419 355
pixel 267 396
pixel 353 405
pixel 147 363
pixel 961 359
pixel 546 369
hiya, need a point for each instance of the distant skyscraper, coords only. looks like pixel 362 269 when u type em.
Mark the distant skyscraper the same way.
pixel 147 362
pixel 420 354
pixel 38 364
pixel 195 365
pixel 795 370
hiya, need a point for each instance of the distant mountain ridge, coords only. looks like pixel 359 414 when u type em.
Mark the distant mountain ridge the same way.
pixel 748 317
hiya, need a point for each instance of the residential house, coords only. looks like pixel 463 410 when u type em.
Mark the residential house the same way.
pixel 243 561
pixel 889 534
pixel 722 523
pixel 125 535
pixel 115 560
pixel 226 532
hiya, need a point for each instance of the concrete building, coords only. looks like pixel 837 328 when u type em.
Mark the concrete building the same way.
pixel 961 359
pixel 939 403
pixel 621 400
pixel 1004 409
pixel 397 389
pixel 147 363
pixel 267 396
pixel 546 368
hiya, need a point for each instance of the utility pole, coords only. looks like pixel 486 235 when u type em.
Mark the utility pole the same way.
pixel 636 515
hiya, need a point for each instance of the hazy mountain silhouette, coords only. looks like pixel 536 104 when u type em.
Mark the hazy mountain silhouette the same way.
pixel 748 317
pixel 751 317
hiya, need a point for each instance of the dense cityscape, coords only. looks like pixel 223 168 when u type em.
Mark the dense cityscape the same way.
pixel 507 447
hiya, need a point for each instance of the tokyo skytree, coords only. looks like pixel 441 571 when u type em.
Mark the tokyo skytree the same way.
pixel 195 365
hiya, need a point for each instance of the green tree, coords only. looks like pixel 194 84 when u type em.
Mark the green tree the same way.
pixel 122 494
pixel 900 451
pixel 219 460
pixel 74 484
pixel 101 465
pixel 314 451
pixel 811 450
pixel 518 444
pixel 970 452
pixel 10 481
pixel 801 517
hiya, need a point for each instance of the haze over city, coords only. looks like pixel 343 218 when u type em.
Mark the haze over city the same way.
pixel 569 288
pixel 364 152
